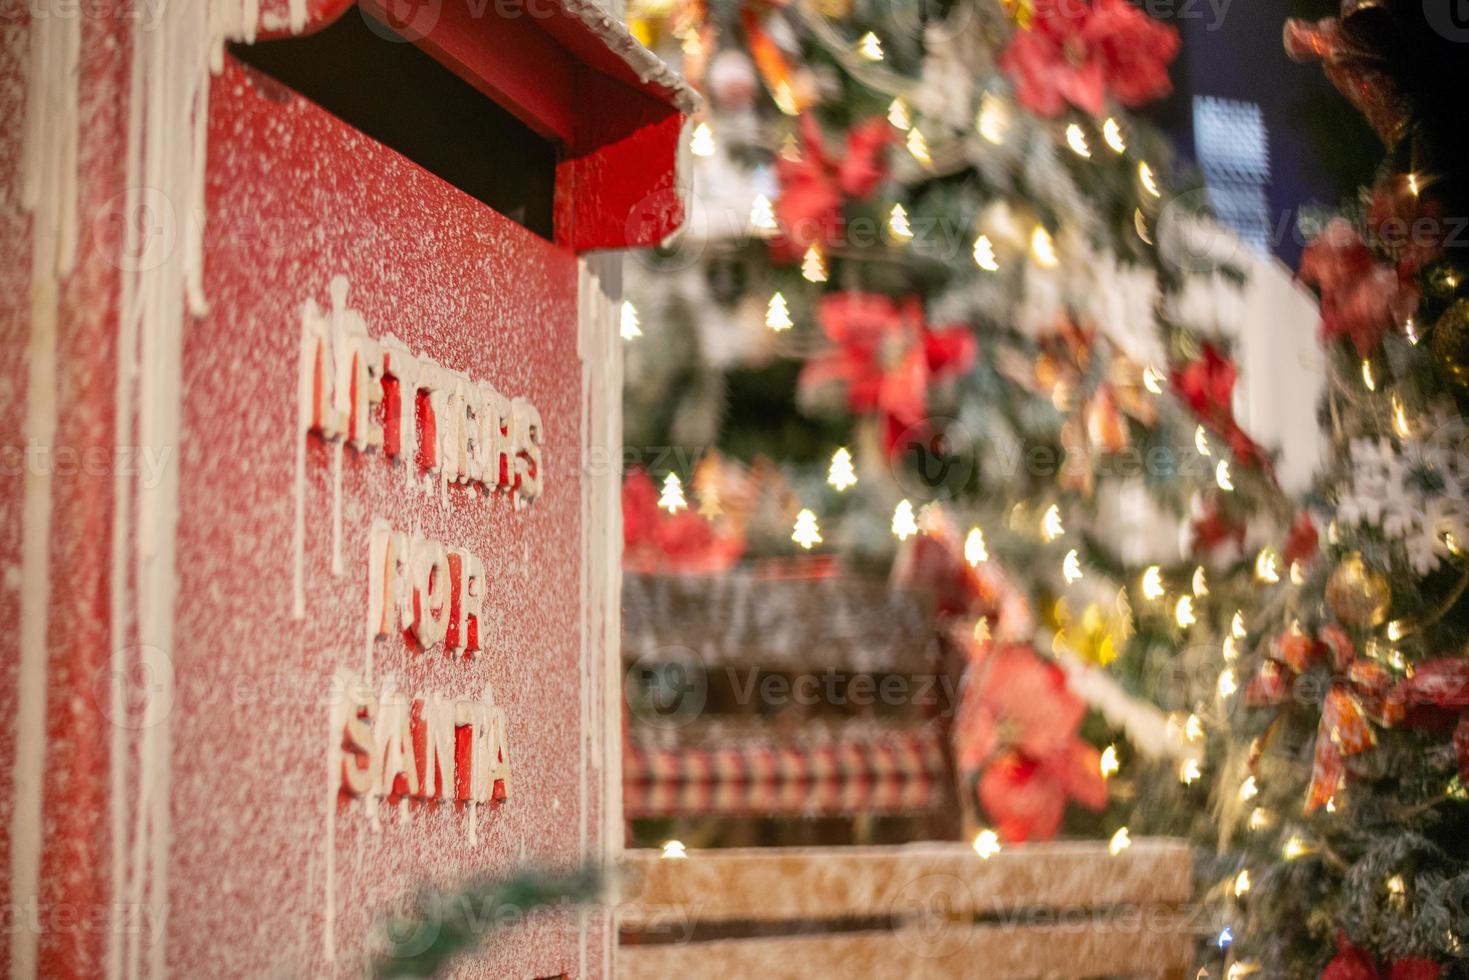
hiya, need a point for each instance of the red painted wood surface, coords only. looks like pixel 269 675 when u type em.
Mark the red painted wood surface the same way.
pixel 295 197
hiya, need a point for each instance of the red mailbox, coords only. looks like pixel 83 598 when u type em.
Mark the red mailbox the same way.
pixel 309 503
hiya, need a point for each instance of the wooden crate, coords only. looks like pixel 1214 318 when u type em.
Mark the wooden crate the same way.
pixel 913 911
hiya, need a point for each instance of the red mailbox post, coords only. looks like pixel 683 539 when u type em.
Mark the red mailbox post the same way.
pixel 309 504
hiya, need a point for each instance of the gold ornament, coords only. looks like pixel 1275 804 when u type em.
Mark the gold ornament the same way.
pixel 1451 342
pixel 1358 595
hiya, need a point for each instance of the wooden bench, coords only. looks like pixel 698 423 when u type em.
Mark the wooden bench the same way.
pixel 1066 909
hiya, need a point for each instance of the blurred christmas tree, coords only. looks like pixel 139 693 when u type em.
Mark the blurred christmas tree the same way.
pixel 944 309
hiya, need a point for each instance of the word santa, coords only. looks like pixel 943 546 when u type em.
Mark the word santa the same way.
pixel 427 746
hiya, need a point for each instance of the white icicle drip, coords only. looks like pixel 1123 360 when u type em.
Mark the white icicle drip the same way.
pixel 167 157
pixel 49 193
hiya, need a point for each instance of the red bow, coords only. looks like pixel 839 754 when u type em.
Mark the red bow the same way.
pixel 813 186
pixel 886 356
pixel 1361 298
pixel 1206 385
pixel 1355 963
pixel 1359 691
pixel 1079 53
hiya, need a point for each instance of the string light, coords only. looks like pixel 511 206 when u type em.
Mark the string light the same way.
pixel 1367 378
pixel 630 328
pixel 1146 178
pixel 785 99
pixel 1120 842
pixel 1112 133
pixel 778 314
pixel 1193 729
pixel 1152 584
pixel 1227 682
pixel 1240 970
pixel 1237 625
pixel 1043 248
pixel 1140 225
pixel 1411 329
pixel 1200 583
pixel 918 146
pixel 898 225
pixel 1222 477
pixel 1153 380
pixel 1109 765
pixel 974 547
pixel 1248 789
pixel 1267 566
pixel 672 499
pixel 762 215
pixel 1071 567
pixel 1295 848
pixel 701 143
pixel 904 526
pixel 813 266
pixel 1413 183
pixel 841 475
pixel 1259 819
pixel 1183 612
pixel 806 533
pixel 993 118
pixel 1051 527
pixel 984 254
pixel 1201 441
pixel 1396 885
pixel 1242 882
pixel 1076 139
pixel 870 47
pixel 1188 772
pixel 1400 418
pixel 1231 648
pixel 898 115
pixel 674 849
pixel 986 844
pixel 1225 939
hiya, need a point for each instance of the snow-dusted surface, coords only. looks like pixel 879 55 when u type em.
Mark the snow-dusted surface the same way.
pixel 207 809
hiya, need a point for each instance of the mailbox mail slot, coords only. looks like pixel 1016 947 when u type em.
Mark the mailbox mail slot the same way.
pixel 320 615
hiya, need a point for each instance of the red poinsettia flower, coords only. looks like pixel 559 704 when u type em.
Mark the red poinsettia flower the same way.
pixel 1300 544
pixel 1361 298
pixel 813 186
pixel 1079 53
pixel 655 541
pixel 1206 385
pixel 1026 798
pixel 1017 722
pixel 1407 222
pixel 886 356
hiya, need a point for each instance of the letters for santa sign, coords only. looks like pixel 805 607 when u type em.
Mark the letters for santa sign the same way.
pixel 308 518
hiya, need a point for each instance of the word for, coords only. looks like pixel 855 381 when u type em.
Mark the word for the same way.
pixel 426 746
pixel 418 585
pixel 378 394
